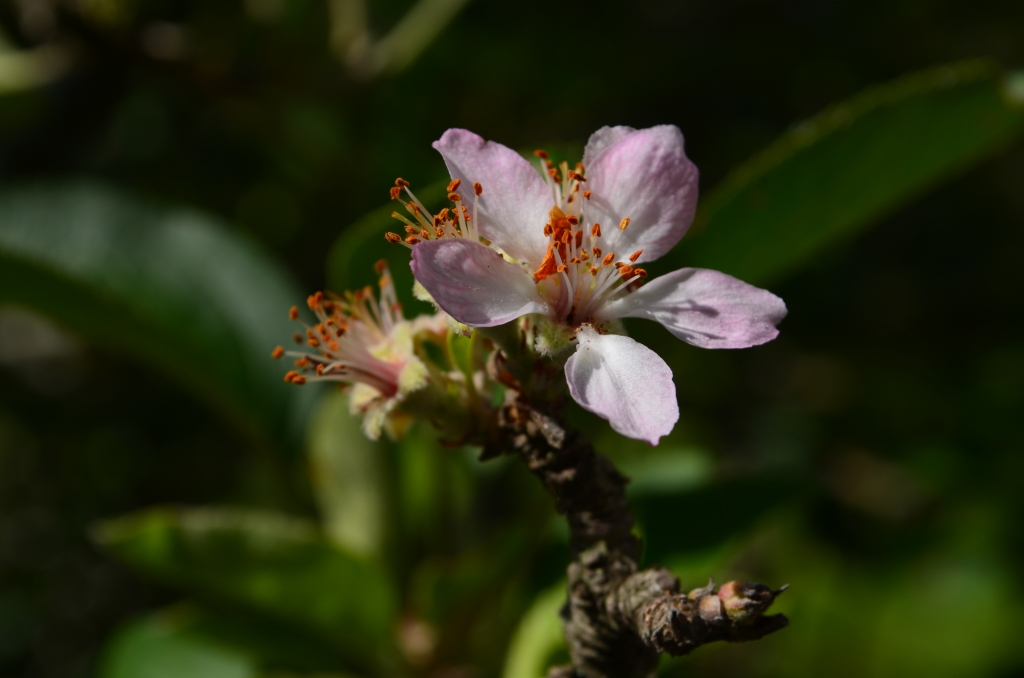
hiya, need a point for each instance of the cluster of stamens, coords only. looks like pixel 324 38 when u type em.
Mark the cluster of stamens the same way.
pixel 452 222
pixel 348 328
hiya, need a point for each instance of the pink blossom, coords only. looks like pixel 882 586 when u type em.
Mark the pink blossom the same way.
pixel 567 244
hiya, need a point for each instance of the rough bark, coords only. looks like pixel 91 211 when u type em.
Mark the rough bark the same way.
pixel 618 620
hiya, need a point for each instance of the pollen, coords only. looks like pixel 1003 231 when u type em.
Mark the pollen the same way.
pixel 290 375
pixel 412 240
pixel 455 197
pixel 586 194
pixel 541 153
pixel 277 352
pixel 478 189
pixel 595 230
pixel 454 184
pixel 624 224
pixel 635 255
pixel 573 219
pixel 293 313
pixel 640 272
pixel 402 183
pixel 608 259
pixel 396 192
pixel 391 238
pixel 597 252
pixel 625 270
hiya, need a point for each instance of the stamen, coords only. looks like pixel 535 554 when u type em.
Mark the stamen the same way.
pixel 635 255
pixel 640 272
pixel 391 238
pixel 478 189
pixel 395 192
pixel 293 313
pixel 411 240
pixel 542 154
pixel 624 224
pixel 454 184
pixel 608 259
pixel 597 252
pixel 277 352
pixel 454 197
pixel 586 194
pixel 595 231
pixel 401 182
pixel 625 270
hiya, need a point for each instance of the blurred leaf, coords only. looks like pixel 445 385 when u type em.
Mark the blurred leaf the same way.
pixel 848 167
pixel 347 477
pixel 538 638
pixel 267 562
pixel 171 287
pixel 692 521
pixel 666 470
pixel 188 634
pixel 157 647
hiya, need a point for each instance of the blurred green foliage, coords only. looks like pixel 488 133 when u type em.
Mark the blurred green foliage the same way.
pixel 178 174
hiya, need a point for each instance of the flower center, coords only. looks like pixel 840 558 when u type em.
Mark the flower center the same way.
pixel 348 337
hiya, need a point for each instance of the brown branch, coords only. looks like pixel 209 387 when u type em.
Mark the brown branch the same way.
pixel 618 620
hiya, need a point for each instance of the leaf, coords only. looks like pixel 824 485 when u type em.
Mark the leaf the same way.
pixel 348 478
pixel 851 165
pixel 539 637
pixel 266 562
pixel 171 287
pixel 211 642
pixel 157 647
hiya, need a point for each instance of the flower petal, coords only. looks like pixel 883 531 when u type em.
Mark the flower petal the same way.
pixel 646 176
pixel 602 139
pixel 515 202
pixel 625 382
pixel 704 308
pixel 473 283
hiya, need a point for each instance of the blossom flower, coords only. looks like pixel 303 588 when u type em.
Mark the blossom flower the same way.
pixel 366 343
pixel 567 244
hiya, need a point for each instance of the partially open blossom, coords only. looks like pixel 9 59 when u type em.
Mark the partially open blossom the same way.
pixel 364 341
pixel 568 244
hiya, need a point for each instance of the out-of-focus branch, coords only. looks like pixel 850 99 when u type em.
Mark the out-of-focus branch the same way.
pixel 618 620
pixel 366 58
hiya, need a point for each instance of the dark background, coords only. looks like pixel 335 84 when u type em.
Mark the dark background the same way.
pixel 879 437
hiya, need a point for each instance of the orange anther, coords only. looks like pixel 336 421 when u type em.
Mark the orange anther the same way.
pixel 542 154
pixel 625 270
pixel 579 238
pixel 425 234
pixel 297 337
pixel 640 272
pixel 298 380
pixel 584 255
pixel 595 230
pixel 573 219
pixel 320 369
pixel 608 259
pixel 396 192
pixel 478 189
pixel 624 224
pixel 290 375
pixel 566 236
pixel 412 229
pixel 454 197
pixel 454 184
pixel 412 240
pixel 277 352
pixel 333 345
pixel 302 362
pixel 392 237
pixel 548 230
pixel 597 252
pixel 293 313
pixel 586 194
pixel 561 268
pixel 401 182
pixel 313 342
pixel 635 255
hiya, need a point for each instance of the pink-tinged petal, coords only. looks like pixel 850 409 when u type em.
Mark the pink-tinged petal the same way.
pixel 645 176
pixel 515 202
pixel 602 139
pixel 624 382
pixel 704 308
pixel 474 284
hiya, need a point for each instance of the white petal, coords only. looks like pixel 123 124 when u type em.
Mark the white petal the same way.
pixel 625 382
pixel 473 283
pixel 515 202
pixel 602 139
pixel 645 176
pixel 704 308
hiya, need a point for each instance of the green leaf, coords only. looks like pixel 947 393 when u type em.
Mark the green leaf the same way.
pixel 211 642
pixel 158 647
pixel 171 287
pixel 538 640
pixel 851 165
pixel 348 477
pixel 269 563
